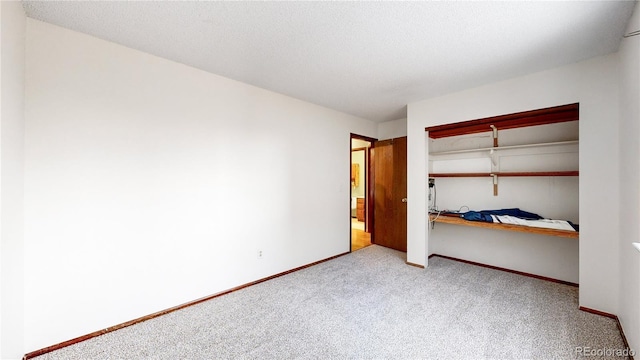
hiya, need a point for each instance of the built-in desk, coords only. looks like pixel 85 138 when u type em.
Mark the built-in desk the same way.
pixel 457 220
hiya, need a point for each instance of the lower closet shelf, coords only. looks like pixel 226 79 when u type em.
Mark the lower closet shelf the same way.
pixel 455 220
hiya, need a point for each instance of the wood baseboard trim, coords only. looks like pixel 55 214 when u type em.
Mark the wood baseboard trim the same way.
pixel 598 312
pixel 614 317
pixel 63 344
pixel 416 265
pixel 507 270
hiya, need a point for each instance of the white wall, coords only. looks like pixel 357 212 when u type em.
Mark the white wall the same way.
pixel 149 184
pixel 629 313
pixel 592 83
pixel 357 143
pixel 12 52
pixel 392 129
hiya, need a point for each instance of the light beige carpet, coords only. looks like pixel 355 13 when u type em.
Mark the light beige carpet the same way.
pixel 371 305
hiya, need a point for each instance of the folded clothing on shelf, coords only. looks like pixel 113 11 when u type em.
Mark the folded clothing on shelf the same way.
pixel 485 215
pixel 516 216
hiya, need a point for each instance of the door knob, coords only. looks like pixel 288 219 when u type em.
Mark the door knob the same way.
pixel 404 200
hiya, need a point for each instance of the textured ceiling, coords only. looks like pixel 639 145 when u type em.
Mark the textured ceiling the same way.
pixel 364 58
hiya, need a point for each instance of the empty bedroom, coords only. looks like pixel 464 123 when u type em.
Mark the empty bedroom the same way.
pixel 181 180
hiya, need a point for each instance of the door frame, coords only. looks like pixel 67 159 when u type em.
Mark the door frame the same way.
pixel 369 193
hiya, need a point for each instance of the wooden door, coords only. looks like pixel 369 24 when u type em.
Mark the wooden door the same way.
pixel 390 193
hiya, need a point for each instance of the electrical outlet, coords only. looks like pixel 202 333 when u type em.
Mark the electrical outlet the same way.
pixel 259 254
pixel 432 182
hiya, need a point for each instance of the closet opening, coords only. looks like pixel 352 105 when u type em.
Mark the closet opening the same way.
pixel 508 191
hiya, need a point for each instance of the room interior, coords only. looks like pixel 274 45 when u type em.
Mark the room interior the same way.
pixel 128 148
pixel 360 232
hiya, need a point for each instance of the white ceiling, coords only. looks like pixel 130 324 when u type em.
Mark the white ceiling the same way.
pixel 364 58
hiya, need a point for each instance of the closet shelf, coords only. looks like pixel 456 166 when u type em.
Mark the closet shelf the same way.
pixel 506 174
pixel 545 116
pixel 455 220
pixel 557 143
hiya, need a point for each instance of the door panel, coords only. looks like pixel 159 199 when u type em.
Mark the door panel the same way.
pixel 390 188
pixel 400 191
pixel 382 184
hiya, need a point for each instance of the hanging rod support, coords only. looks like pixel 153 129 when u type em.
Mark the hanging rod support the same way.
pixel 495 184
pixel 495 135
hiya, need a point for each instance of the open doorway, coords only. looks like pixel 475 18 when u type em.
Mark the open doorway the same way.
pixel 361 195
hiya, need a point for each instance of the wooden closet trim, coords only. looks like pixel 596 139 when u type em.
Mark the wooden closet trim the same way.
pixel 544 116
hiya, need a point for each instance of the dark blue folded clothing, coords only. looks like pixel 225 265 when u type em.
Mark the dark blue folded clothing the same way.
pixel 485 215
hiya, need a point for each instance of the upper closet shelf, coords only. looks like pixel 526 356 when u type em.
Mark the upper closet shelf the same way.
pixel 511 174
pixel 545 116
pixel 558 143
